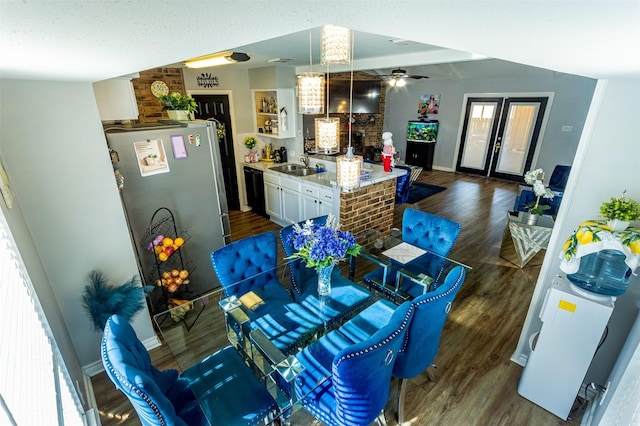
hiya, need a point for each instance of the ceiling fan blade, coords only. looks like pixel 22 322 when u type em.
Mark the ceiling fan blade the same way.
pixel 400 73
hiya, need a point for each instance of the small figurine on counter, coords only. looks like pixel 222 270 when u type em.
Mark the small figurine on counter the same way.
pixel 388 150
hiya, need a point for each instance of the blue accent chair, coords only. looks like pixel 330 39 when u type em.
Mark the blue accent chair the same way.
pixel 165 397
pixel 246 258
pixel 423 337
pixel 427 231
pixel 403 184
pixel 557 184
pixel 248 265
pixel 345 297
pixel 346 382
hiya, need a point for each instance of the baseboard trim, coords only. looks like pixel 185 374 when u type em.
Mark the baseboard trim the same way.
pixel 444 169
pixel 96 367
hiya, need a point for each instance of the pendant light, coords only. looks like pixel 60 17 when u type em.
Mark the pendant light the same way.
pixel 348 167
pixel 327 129
pixel 310 89
pixel 335 45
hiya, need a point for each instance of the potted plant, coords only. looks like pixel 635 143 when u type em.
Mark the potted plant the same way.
pixel 250 142
pixel 178 107
pixel 536 179
pixel 619 212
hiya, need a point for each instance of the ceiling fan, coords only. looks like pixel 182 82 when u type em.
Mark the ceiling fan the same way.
pixel 397 76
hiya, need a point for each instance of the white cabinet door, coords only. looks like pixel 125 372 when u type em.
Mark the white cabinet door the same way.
pixel 325 208
pixel 290 205
pixel 272 202
pixel 310 207
pixel 325 201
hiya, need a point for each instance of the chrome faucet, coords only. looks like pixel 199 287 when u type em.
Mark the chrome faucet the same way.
pixel 305 160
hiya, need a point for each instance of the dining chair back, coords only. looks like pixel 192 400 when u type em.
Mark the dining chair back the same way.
pixel 249 265
pixel 158 397
pixel 403 185
pixel 424 230
pixel 235 264
pixel 423 336
pixel 227 387
pixel 428 231
pixel 358 383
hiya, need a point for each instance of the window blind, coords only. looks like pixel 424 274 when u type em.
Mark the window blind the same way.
pixel 35 386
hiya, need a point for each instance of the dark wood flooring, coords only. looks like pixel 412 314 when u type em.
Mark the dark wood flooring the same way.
pixel 475 381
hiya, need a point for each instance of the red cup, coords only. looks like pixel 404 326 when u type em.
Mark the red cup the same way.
pixel 386 162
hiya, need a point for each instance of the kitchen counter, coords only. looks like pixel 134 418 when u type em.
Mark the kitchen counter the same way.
pixel 329 179
pixel 367 207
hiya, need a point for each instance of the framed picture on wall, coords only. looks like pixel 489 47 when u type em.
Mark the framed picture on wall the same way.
pixel 428 104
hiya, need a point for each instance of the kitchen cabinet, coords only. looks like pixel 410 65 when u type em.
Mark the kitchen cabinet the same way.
pixel 420 154
pixel 282 198
pixel 316 201
pixel 274 113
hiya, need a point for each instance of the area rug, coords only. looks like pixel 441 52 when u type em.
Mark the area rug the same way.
pixel 419 191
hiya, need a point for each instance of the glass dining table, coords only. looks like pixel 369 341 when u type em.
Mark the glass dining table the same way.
pixel 197 328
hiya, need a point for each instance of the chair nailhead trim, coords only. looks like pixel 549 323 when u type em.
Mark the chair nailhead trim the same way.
pixel 386 340
pixel 123 380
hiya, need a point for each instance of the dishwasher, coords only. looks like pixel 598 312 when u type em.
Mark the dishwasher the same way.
pixel 254 183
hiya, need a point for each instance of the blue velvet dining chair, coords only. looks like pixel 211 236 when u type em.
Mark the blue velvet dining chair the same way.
pixel 250 265
pixel 345 297
pixel 427 231
pixel 239 261
pixel 423 336
pixel 403 185
pixel 346 382
pixel 166 397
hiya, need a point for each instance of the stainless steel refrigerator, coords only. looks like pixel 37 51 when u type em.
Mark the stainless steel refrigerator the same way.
pixel 171 176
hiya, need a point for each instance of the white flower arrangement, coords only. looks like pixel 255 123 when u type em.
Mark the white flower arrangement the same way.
pixel 536 178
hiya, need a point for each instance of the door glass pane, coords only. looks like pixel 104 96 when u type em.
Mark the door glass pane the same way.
pixel 519 126
pixel 479 126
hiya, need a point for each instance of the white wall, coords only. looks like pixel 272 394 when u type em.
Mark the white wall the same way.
pixel 571 100
pixel 229 78
pixel 606 163
pixel 56 157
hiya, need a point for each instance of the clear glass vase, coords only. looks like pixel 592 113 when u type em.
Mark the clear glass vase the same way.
pixel 324 280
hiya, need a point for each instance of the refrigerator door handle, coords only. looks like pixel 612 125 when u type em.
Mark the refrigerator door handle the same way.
pixel 226 228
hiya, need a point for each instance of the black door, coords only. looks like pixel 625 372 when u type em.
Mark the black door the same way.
pixel 217 107
pixel 499 136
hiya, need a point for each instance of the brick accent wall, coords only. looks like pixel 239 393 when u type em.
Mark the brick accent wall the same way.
pixel 149 109
pixel 372 131
pixel 369 207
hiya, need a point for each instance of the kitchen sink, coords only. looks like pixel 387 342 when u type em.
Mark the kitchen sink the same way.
pixel 304 171
pixel 287 168
pixel 294 170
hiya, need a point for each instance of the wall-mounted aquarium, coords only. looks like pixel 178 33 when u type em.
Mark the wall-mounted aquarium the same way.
pixel 422 131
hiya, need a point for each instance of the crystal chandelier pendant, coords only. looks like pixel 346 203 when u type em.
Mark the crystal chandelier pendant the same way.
pixel 335 45
pixel 311 93
pixel 348 169
pixel 327 134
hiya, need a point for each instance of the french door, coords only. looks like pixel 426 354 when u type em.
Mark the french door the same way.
pixel 217 107
pixel 499 135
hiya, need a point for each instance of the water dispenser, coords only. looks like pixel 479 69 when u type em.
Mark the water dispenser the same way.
pixel 604 272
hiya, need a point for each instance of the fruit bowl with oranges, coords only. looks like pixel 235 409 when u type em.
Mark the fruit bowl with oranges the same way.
pixel 164 247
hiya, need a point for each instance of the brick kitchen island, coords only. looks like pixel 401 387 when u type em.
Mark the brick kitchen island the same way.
pixel 368 207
